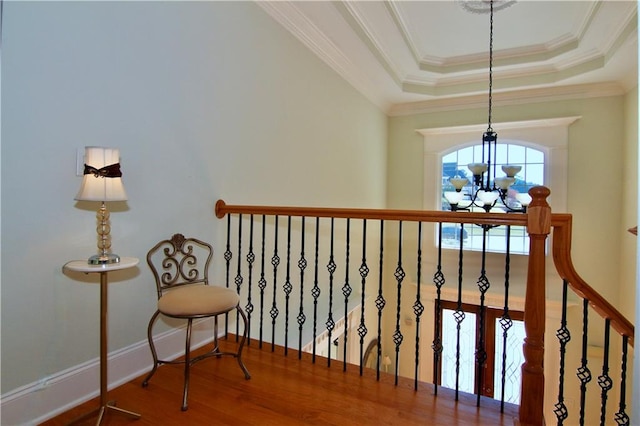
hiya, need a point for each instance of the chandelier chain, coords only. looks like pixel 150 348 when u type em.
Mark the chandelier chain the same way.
pixel 489 128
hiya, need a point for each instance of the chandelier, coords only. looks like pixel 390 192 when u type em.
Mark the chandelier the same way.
pixel 486 190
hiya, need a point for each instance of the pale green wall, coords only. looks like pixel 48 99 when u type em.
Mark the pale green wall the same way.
pixel 597 147
pixel 205 100
pixel 628 286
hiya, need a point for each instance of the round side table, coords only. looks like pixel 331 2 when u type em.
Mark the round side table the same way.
pixel 103 270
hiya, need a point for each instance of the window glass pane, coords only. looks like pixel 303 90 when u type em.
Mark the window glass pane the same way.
pixel 534 174
pixel 512 363
pixel 467 351
pixel 519 240
pixel 465 156
pixel 535 156
pixel 500 238
pixel 452 157
pixel 516 154
pixel 477 153
pixel 501 154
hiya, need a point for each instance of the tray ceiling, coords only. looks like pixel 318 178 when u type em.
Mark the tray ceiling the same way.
pixel 408 56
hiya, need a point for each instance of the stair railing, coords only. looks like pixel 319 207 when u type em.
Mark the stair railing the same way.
pixel 252 262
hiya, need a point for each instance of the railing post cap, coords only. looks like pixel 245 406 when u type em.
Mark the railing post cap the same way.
pixel 539 196
pixel 220 205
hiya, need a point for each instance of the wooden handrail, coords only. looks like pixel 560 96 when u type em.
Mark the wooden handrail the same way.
pixel 223 209
pixel 562 225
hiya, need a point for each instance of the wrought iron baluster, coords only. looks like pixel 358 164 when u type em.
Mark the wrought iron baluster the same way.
pixel 438 280
pixel 238 279
pixel 505 320
pixel 331 267
pixel 275 261
pixel 346 292
pixel 621 416
pixel 251 257
pixel 262 283
pixel 380 302
pixel 483 287
pixel 459 314
pixel 564 336
pixel 302 265
pixel 227 257
pixel 604 381
pixel 418 308
pixel 399 274
pixel 287 288
pixel 583 373
pixel 364 271
pixel 315 291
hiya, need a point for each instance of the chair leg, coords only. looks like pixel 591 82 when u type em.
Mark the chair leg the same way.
pixel 187 365
pixel 247 376
pixel 152 346
pixel 215 333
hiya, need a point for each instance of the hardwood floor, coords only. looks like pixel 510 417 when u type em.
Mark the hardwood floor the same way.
pixel 287 391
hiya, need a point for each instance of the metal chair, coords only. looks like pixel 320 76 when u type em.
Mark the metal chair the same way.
pixel 182 281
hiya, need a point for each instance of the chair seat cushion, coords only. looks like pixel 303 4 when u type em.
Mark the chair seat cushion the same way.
pixel 198 300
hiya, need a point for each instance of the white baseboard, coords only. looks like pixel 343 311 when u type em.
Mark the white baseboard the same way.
pixel 52 395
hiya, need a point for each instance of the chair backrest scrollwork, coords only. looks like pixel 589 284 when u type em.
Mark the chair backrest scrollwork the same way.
pixel 179 261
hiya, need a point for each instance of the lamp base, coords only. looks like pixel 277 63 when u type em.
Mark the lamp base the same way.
pixel 104 259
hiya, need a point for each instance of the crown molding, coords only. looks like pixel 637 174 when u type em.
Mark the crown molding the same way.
pixel 520 97
pixel 444 90
pixel 504 125
pixel 288 15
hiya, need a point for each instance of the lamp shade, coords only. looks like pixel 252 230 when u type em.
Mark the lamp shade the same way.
pixel 102 180
pixel 454 197
pixel 478 168
pixel 488 197
pixel 504 182
pixel 458 183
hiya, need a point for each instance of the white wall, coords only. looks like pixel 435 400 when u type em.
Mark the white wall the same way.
pixel 205 100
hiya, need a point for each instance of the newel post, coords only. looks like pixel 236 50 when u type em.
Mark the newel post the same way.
pixel 532 392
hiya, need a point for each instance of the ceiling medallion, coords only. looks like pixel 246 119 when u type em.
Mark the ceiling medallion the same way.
pixel 484 6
